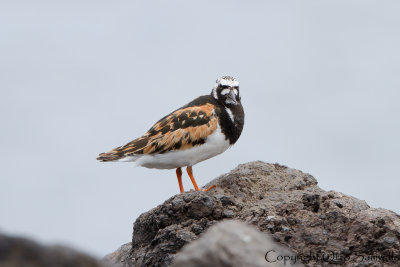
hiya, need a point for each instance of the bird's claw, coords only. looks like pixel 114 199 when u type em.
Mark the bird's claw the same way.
pixel 208 189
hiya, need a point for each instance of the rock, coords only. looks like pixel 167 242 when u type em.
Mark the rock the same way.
pixel 118 258
pixel 233 243
pixel 24 252
pixel 321 227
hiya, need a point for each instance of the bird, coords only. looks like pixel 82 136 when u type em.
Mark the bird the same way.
pixel 199 130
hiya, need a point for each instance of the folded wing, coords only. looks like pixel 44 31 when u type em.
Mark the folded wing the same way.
pixel 182 129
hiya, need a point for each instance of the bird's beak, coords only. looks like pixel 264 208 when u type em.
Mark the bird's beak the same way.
pixel 232 97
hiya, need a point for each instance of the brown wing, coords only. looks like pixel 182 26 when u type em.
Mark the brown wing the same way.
pixel 182 129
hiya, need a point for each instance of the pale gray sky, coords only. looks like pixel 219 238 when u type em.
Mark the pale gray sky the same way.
pixel 320 85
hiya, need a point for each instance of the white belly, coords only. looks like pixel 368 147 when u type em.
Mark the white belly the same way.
pixel 214 144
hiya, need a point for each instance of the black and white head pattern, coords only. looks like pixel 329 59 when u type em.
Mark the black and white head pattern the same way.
pixel 226 91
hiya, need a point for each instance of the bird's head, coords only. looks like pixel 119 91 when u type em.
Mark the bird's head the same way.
pixel 226 91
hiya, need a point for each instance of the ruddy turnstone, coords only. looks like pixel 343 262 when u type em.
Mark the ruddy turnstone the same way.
pixel 202 129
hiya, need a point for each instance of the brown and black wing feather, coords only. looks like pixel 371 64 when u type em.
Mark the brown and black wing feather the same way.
pixel 184 128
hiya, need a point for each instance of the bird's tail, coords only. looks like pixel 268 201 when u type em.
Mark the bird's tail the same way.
pixel 112 155
pixel 134 147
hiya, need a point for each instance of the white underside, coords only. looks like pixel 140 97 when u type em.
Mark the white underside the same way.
pixel 214 144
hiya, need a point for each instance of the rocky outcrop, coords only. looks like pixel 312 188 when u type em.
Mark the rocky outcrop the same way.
pixel 15 252
pixel 320 227
pixel 233 243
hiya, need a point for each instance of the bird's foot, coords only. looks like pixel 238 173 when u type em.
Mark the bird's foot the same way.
pixel 208 189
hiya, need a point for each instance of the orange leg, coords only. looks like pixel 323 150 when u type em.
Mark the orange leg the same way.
pixel 190 172
pixel 179 176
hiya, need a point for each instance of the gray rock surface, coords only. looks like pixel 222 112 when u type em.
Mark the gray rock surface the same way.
pixel 323 228
pixel 120 257
pixel 17 252
pixel 233 244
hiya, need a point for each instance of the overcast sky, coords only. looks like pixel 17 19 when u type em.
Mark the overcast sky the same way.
pixel 319 80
